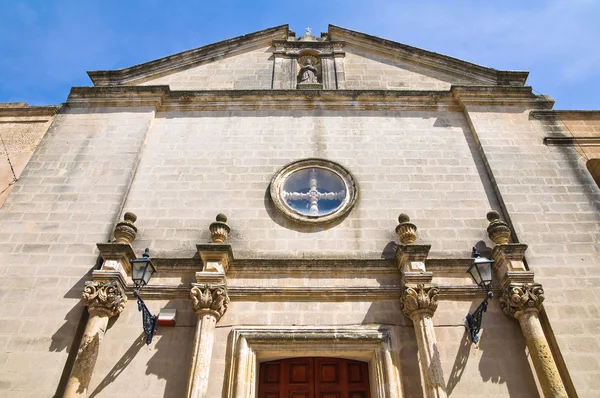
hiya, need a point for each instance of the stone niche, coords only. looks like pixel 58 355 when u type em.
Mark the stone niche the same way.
pixel 308 63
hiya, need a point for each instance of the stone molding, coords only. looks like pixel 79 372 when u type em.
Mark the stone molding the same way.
pixel 323 293
pixel 419 299
pixel 418 56
pixel 572 141
pixel 411 258
pixel 163 99
pixel 104 298
pixel 519 298
pixel 210 299
pixel 116 257
pixel 570 114
pixel 500 96
pixel 376 344
pixel 21 112
pixel 186 59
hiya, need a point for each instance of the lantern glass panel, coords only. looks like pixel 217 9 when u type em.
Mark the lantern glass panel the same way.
pixel 474 271
pixel 138 269
pixel 485 269
pixel 148 273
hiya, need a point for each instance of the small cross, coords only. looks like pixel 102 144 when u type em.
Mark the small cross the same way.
pixel 313 195
pixel 308 32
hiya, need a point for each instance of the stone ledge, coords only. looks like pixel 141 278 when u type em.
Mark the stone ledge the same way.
pixel 22 109
pixel 326 293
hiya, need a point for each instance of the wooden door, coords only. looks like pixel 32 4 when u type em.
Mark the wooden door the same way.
pixel 314 378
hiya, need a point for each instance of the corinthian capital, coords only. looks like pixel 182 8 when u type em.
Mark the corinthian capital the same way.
pixel 420 298
pixel 518 298
pixel 210 299
pixel 107 298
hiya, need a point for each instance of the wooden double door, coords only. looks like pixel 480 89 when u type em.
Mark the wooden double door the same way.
pixel 315 377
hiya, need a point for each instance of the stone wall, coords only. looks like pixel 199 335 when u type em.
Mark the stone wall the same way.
pixel 178 169
pixel 368 71
pixel 552 202
pixel 21 129
pixel 65 201
pixel 196 165
pixel 249 70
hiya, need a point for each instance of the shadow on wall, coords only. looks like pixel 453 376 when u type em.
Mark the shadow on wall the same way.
pixel 121 364
pixel 170 353
pixel 503 358
pixel 460 362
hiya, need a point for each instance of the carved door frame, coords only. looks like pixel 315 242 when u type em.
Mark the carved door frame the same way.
pixel 376 345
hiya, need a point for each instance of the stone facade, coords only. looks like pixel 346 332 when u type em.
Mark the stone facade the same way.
pixel 184 138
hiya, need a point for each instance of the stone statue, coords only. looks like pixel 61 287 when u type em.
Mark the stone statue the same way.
pixel 308 73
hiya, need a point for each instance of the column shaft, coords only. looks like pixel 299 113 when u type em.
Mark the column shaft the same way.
pixel 429 357
pixel 541 356
pixel 86 356
pixel 203 345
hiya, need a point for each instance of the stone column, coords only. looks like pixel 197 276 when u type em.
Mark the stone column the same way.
pixel 419 303
pixel 522 299
pixel 523 302
pixel 210 303
pixel 104 300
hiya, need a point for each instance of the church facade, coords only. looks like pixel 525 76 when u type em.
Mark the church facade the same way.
pixel 311 205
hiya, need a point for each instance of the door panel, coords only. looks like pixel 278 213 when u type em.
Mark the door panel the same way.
pixel 314 378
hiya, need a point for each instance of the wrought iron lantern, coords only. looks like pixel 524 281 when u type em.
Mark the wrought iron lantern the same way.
pixel 142 270
pixel 482 271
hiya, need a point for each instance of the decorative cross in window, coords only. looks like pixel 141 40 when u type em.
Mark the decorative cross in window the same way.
pixel 313 195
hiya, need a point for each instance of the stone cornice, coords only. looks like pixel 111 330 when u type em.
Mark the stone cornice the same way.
pixel 367 100
pixel 565 114
pixel 572 141
pixel 500 96
pixel 124 96
pixel 325 293
pixel 22 110
pixel 163 99
pixel 186 59
pixel 430 59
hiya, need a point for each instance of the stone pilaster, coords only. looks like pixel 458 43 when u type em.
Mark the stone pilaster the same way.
pixel 104 300
pixel 523 302
pixel 419 304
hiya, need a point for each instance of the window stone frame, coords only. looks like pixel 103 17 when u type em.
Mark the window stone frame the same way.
pixel 376 345
pixel 281 176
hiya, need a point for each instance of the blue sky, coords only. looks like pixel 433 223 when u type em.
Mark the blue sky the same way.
pixel 48 45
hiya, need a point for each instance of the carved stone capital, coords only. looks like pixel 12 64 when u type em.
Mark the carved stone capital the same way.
pixel 519 298
pixel 418 299
pixel 210 299
pixel 104 298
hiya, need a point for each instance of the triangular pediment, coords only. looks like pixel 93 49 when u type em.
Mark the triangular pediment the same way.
pixel 413 64
pixel 271 58
pixel 180 64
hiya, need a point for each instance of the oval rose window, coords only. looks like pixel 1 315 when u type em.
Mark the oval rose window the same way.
pixel 313 190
